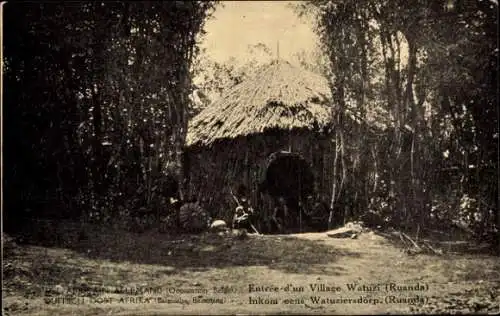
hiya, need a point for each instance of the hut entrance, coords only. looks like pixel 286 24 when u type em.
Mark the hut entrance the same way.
pixel 288 181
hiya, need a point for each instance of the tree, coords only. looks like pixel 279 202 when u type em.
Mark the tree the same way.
pixel 312 60
pixel 99 92
pixel 436 87
pixel 213 78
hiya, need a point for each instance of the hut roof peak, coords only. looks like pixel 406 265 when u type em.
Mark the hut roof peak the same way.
pixel 277 96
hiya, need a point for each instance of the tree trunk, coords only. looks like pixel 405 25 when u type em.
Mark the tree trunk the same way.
pixel 97 142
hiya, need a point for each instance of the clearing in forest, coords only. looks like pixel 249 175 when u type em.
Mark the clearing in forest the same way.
pixel 117 273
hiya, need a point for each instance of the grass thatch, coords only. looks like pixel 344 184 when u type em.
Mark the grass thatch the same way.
pixel 278 96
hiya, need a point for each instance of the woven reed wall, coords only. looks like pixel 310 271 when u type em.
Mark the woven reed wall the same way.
pixel 214 171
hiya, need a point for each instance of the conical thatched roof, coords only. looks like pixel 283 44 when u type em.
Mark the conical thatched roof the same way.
pixel 278 95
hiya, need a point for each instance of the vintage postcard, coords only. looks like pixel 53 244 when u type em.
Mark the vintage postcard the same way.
pixel 250 157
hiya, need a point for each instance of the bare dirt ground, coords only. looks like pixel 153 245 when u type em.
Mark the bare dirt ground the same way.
pixel 112 273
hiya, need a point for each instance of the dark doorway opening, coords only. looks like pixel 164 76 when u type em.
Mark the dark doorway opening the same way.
pixel 289 183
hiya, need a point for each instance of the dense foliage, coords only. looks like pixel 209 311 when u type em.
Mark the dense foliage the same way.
pixel 96 104
pixel 212 78
pixel 98 95
pixel 431 66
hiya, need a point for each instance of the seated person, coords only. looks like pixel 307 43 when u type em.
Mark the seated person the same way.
pixel 241 218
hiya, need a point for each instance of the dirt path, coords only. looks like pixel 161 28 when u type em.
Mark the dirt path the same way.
pixel 295 274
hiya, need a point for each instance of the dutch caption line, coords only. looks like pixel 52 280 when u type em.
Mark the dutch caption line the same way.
pixel 322 294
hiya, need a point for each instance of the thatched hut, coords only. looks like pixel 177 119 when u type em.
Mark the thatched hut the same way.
pixel 281 108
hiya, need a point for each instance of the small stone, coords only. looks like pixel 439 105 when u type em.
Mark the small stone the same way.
pixel 218 225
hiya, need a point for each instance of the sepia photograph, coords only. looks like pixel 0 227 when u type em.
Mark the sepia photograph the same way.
pixel 319 157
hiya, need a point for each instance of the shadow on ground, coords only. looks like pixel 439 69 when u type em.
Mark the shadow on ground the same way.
pixel 63 256
pixel 196 252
